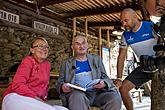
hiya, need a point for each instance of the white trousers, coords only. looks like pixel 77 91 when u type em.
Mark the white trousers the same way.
pixel 14 101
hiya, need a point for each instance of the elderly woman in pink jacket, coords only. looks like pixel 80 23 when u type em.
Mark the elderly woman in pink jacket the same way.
pixel 29 88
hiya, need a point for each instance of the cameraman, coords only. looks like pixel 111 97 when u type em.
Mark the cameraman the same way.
pixel 157 8
pixel 140 37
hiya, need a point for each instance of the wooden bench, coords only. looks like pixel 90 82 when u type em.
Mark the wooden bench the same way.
pixel 2 90
pixel 139 93
pixel 95 108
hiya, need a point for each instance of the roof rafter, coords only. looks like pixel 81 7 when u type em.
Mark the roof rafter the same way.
pixel 51 2
pixel 98 11
pixel 92 24
pixel 43 11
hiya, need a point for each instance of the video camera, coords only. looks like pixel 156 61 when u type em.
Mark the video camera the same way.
pixel 154 63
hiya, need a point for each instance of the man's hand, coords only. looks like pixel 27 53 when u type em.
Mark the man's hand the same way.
pixel 66 88
pixel 118 83
pixel 100 85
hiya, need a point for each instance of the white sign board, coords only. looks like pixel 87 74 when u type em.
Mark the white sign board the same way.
pixel 9 16
pixel 45 27
pixel 106 59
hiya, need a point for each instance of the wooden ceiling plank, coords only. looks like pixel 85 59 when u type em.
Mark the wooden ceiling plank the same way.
pixel 100 3
pixel 91 4
pixel 94 3
pixel 107 18
pixel 78 3
pixel 97 18
pixel 91 19
pixel 98 11
pixel 113 18
pixel 101 19
pixel 65 7
pixel 123 1
pixel 117 16
pixel 69 7
pixel 62 7
pixel 111 2
pixel 107 3
pixel 85 4
pixel 81 3
pixel 94 17
pixel 78 6
pixel 116 2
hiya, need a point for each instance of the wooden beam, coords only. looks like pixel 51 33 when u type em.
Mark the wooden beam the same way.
pixel 51 2
pixel 74 32
pixel 33 7
pixel 20 9
pixel 74 27
pixel 103 10
pixel 100 42
pixel 117 23
pixel 108 39
pixel 28 29
pixel 23 2
pixel 86 27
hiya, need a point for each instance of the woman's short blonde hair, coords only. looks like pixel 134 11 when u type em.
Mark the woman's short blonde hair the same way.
pixel 34 40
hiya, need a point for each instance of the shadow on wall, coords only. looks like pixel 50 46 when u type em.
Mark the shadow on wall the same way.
pixel 13 69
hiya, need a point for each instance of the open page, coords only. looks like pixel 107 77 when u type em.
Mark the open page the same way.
pixel 89 85
pixel 76 87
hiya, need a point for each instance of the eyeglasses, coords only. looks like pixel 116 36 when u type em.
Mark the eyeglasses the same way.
pixel 42 47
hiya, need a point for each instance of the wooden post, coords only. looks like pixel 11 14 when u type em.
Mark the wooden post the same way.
pixel 143 10
pixel 86 27
pixel 108 39
pixel 74 30
pixel 100 41
pixel 108 45
pixel 74 27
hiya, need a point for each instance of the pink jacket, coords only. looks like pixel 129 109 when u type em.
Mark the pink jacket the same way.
pixel 31 79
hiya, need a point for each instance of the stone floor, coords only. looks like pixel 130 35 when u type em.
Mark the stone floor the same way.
pixel 144 105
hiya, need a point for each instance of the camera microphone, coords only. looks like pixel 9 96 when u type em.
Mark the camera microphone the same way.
pixel 159 47
pixel 73 67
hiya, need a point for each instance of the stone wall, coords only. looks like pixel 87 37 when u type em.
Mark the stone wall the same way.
pixel 15 43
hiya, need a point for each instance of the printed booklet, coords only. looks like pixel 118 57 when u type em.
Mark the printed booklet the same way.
pixel 88 86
